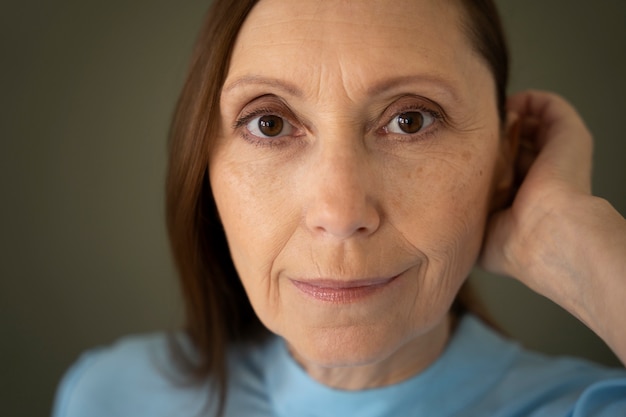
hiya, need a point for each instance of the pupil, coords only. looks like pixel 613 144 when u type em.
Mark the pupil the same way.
pixel 410 122
pixel 271 125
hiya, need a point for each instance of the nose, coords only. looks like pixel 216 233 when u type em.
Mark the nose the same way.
pixel 341 197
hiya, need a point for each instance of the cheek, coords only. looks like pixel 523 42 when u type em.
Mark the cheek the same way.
pixel 258 218
pixel 441 205
pixel 434 205
pixel 249 197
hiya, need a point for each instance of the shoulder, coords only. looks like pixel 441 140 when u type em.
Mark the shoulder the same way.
pixel 528 383
pixel 135 376
pixel 564 385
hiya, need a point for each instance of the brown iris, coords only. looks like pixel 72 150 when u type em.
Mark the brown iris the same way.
pixel 271 125
pixel 410 122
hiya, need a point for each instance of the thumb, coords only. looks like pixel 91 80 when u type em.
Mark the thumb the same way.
pixel 496 256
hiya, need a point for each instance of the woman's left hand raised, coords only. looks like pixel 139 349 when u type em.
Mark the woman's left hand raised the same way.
pixel 556 237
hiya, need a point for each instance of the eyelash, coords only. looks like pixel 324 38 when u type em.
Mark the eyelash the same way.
pixel 242 122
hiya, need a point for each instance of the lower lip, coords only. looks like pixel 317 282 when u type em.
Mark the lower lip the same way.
pixel 341 295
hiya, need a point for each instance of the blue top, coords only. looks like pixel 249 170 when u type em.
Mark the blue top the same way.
pixel 479 374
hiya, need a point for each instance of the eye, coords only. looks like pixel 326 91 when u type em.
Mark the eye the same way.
pixel 410 122
pixel 269 126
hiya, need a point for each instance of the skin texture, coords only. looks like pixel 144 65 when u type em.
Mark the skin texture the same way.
pixel 343 196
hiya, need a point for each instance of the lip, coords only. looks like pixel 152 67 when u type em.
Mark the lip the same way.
pixel 342 291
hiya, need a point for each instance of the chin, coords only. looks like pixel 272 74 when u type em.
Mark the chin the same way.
pixel 392 343
pixel 347 347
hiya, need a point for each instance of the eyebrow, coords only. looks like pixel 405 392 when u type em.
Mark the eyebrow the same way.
pixel 442 84
pixel 279 84
pixel 379 88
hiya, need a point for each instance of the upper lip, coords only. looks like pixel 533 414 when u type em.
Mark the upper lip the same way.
pixel 345 283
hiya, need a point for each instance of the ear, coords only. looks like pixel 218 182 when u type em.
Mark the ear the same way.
pixel 504 175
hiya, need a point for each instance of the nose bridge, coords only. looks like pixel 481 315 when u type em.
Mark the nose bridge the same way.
pixel 342 174
pixel 342 200
pixel 341 159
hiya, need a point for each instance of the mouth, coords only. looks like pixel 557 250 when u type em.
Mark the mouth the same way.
pixel 342 291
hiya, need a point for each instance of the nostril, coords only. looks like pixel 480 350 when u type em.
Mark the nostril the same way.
pixel 332 220
pixel 339 200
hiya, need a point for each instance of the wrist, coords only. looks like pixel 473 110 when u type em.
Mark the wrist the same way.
pixel 574 254
pixel 557 253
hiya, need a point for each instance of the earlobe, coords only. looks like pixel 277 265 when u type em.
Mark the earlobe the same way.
pixel 503 182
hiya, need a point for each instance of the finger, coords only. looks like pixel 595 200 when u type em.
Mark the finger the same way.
pixel 554 128
pixel 526 158
pixel 528 148
pixel 529 130
pixel 493 257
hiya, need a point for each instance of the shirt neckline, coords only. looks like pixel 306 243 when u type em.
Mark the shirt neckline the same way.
pixel 473 352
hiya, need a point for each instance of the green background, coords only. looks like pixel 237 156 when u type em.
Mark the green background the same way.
pixel 87 89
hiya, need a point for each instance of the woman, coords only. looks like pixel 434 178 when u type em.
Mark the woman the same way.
pixel 335 172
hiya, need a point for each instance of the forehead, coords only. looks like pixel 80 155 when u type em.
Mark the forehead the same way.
pixel 323 20
pixel 354 43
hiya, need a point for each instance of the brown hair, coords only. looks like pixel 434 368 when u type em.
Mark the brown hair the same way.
pixel 217 310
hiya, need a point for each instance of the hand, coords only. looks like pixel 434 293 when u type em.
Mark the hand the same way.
pixel 552 171
pixel 556 237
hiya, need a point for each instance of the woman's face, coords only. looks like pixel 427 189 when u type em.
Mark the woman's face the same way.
pixel 353 171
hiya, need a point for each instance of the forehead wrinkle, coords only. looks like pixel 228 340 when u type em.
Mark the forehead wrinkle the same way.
pixel 441 84
pixel 265 81
pixel 307 75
